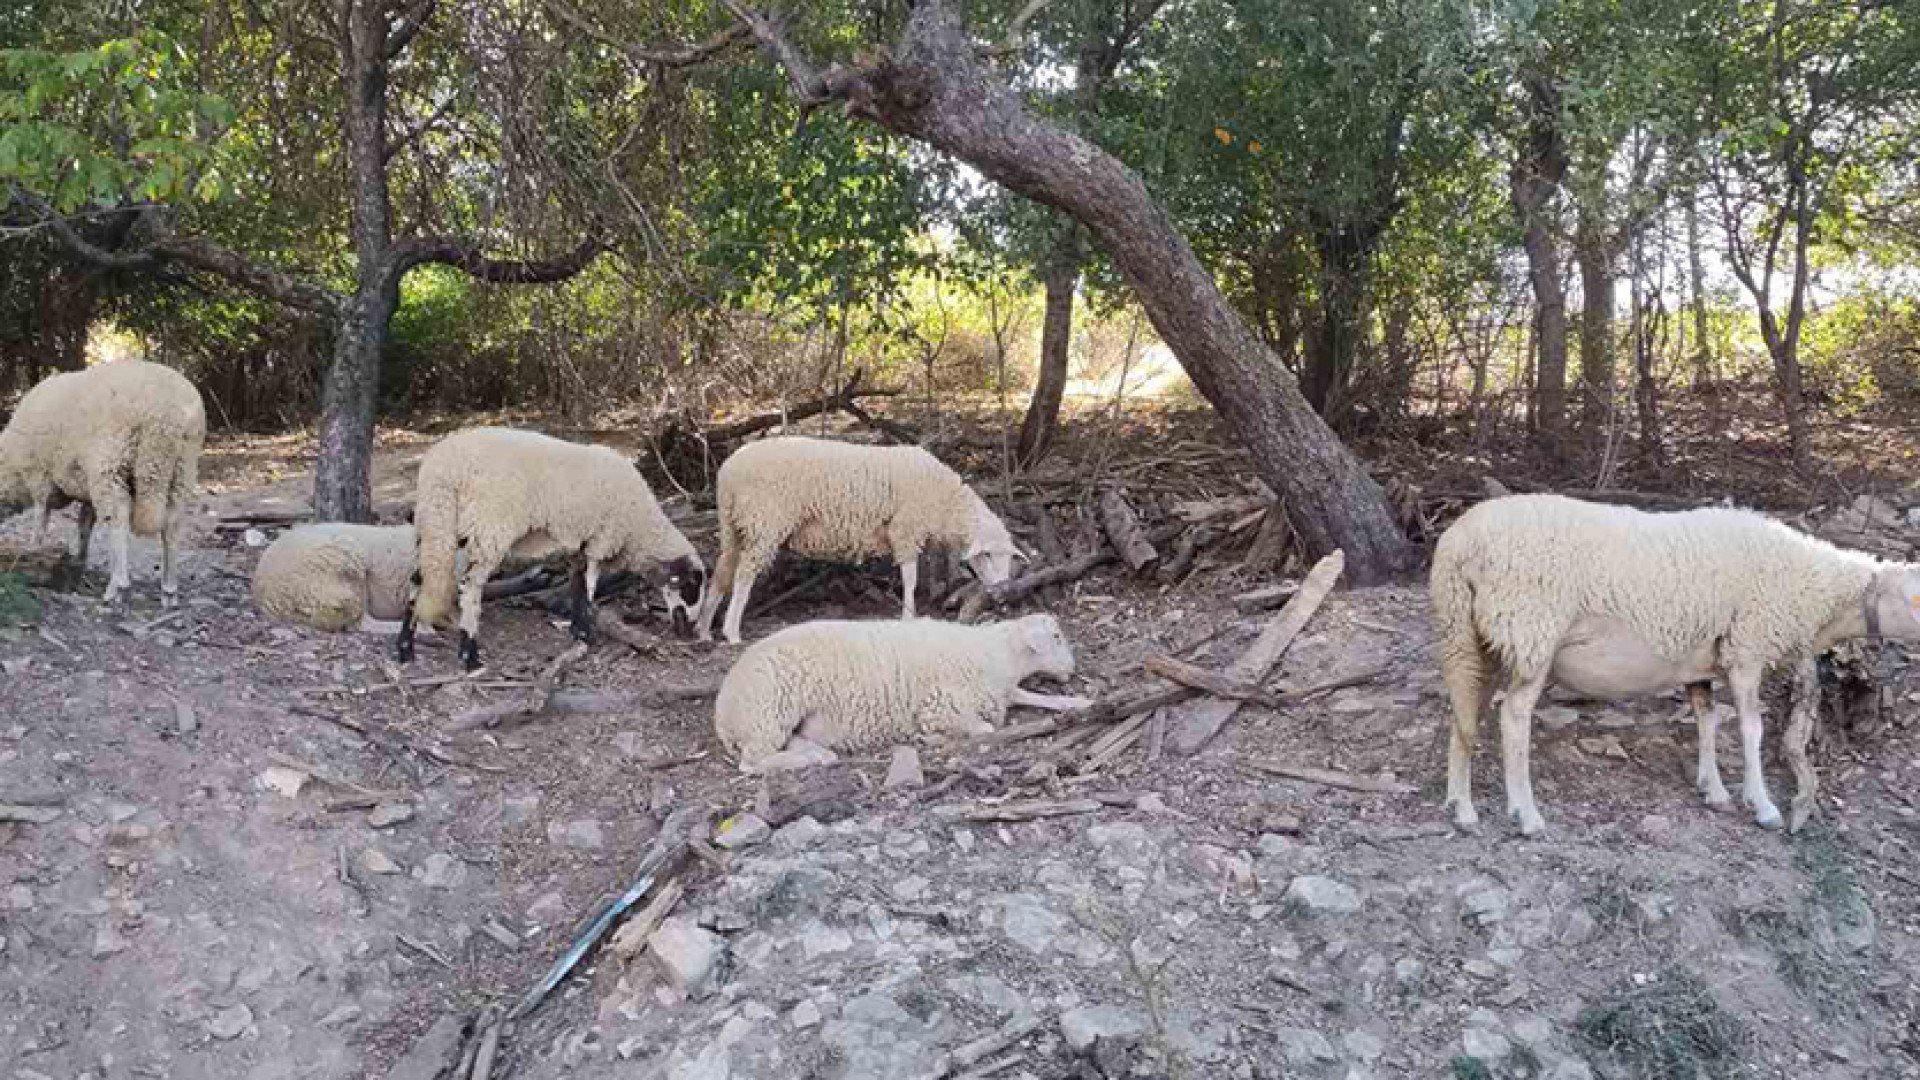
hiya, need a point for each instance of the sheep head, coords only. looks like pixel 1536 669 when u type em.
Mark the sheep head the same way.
pixel 1895 598
pixel 681 581
pixel 990 550
pixel 1044 645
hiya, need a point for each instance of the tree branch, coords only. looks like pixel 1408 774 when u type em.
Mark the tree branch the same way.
pixel 409 27
pixel 680 56
pixel 414 134
pixel 465 255
pixel 811 89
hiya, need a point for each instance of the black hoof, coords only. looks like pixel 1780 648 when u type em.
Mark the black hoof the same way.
pixel 404 650
pixel 583 634
pixel 469 652
pixel 682 623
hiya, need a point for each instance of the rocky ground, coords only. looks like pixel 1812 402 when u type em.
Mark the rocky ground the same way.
pixel 241 850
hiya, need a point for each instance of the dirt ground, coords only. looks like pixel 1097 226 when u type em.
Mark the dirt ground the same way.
pixel 258 858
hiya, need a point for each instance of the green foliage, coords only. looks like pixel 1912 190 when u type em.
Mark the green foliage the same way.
pixel 1671 1028
pixel 116 122
pixel 18 605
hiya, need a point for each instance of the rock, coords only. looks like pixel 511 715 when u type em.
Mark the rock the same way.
pixel 741 831
pixel 20 898
pixel 633 745
pixel 441 871
pixel 389 813
pixel 1082 1026
pixel 685 952
pixel 1481 968
pixel 432 1053
pixel 799 755
pixel 798 833
pixel 1029 923
pixel 1304 1046
pixel 1363 1046
pixel 1487 904
pixel 119 812
pixel 1485 1045
pixel 1579 927
pixel 1568 1069
pixel 1324 895
pixel 1654 907
pixel 281 781
pixel 1603 746
pixel 547 908
pixel 904 774
pixel 582 835
pixel 1555 717
pixel 519 809
pixel 340 1015
pixel 1408 972
pixel 254 538
pixel 107 941
pixel 1274 844
pixel 375 861
pixel 1531 1030
pixel 909 889
pixel 819 940
pixel 804 1015
pixel 233 1022
pixel 876 1039
pixel 1850 919
pixel 987 992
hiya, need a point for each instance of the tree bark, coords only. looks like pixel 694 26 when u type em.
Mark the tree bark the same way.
pixel 1597 284
pixel 1697 285
pixel 932 87
pixel 1062 276
pixel 1537 173
pixel 1346 253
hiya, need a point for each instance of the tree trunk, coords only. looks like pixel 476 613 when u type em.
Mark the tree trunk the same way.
pixel 933 87
pixel 1056 338
pixel 1646 392
pixel 1345 254
pixel 1596 315
pixel 1697 285
pixel 1537 172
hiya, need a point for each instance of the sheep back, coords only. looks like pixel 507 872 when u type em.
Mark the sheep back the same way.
pixel 859 685
pixel 842 501
pixel 1516 572
pixel 331 575
pixel 130 420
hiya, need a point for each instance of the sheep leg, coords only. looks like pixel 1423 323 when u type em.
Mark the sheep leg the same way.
pixel 403 645
pixel 749 567
pixel 585 574
pixel 1806 712
pixel 1746 702
pixel 1516 752
pixel 909 580
pixel 1707 722
pixel 85 542
pixel 169 562
pixel 473 580
pixel 1047 702
pixel 118 515
pixel 718 585
pixel 1471 692
pixel 42 515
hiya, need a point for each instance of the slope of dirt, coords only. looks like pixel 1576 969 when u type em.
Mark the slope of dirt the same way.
pixel 261 859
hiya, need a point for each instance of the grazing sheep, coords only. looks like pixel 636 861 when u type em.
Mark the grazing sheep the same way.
pixel 1611 602
pixel 502 494
pixel 857 685
pixel 122 440
pixel 334 576
pixel 842 501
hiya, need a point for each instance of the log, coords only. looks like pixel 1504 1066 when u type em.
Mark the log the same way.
pixel 1046 534
pixel 1188 548
pixel 1331 778
pixel 1268 598
pixel 1122 527
pixel 1269 548
pixel 826 793
pixel 1199 723
pixel 1034 580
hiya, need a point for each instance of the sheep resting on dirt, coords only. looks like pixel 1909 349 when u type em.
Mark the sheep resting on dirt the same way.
pixel 842 501
pixel 1612 602
pixel 859 685
pixel 501 494
pixel 122 440
pixel 334 576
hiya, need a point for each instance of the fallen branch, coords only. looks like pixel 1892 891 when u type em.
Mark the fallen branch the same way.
pixel 1331 778
pixel 1202 721
pixel 1187 549
pixel 1039 578
pixel 542 700
pixel 330 779
pixel 29 815
pixel 1122 526
pixel 1268 598
pixel 835 402
pixel 1021 811
pixel 986 1046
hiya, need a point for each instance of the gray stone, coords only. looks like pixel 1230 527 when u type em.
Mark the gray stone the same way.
pixel 1554 717
pixel 1324 895
pixel 20 897
pixel 389 813
pixel 804 1015
pixel 230 1022
pixel 742 831
pixel 819 939
pixel 685 952
pixel 375 861
pixel 799 833
pixel 1654 907
pixel 1363 1046
pixel 909 889
pixel 1531 1030
pixel 432 1054
pixel 1272 844
pixel 1408 972
pixel 1568 1069
pixel 1485 1045
pixel 1578 928
pixel 548 907
pixel 1030 924
pixel 519 809
pixel 108 942
pixel 904 774
pixel 1082 1026
pixel 1304 1046
pixel 1487 904
pixel 441 871
pixel 633 745
pixel 879 1040
pixel 583 834
pixel 987 992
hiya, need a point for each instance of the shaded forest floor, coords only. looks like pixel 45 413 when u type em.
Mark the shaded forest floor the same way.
pixel 260 857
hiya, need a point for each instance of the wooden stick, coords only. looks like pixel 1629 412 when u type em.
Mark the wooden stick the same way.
pixel 1200 722
pixel 1122 527
pixel 1022 811
pixel 986 1046
pixel 544 689
pixel 1331 778
pixel 330 779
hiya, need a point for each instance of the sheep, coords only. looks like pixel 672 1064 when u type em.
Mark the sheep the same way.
pixel 834 500
pixel 501 493
pixel 121 439
pixel 335 576
pixel 858 685
pixel 1614 602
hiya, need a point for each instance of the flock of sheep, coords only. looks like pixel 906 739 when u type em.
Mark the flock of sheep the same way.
pixel 1527 590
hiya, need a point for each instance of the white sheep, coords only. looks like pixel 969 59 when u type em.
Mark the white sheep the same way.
pixel 121 439
pixel 858 685
pixel 842 501
pixel 1612 602
pixel 502 494
pixel 334 576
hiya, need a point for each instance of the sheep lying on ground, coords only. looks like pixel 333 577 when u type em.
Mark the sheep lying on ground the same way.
pixel 860 685
pixel 1611 602
pixel 834 500
pixel 334 576
pixel 122 440
pixel 503 494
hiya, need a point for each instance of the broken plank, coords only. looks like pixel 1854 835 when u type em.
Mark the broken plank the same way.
pixel 1200 722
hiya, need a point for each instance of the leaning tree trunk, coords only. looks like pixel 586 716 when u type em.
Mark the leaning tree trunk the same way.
pixel 933 87
pixel 1062 276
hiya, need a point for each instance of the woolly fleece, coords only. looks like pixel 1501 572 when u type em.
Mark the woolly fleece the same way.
pixel 335 576
pixel 123 439
pixel 845 502
pixel 859 685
